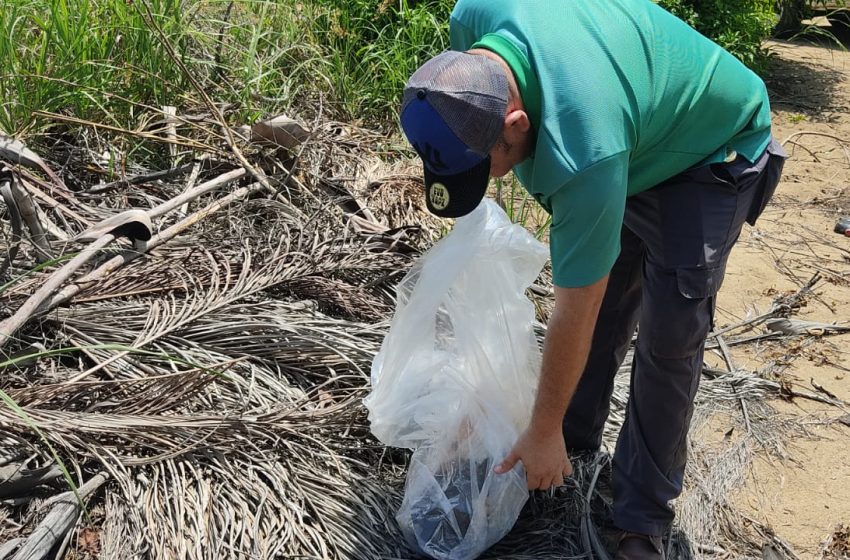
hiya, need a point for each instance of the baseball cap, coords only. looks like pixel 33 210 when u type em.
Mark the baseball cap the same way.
pixel 453 112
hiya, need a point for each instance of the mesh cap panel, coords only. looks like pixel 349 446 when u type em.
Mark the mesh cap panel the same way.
pixel 470 93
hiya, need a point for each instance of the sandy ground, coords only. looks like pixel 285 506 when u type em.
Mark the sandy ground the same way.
pixel 807 495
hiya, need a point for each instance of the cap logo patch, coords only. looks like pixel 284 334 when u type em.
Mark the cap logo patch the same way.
pixel 431 156
pixel 439 196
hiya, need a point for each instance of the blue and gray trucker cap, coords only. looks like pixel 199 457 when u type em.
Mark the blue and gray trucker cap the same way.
pixel 452 113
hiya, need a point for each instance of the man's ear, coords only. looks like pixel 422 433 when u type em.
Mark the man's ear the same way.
pixel 517 120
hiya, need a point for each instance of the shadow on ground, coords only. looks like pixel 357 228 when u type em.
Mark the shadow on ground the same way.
pixel 810 88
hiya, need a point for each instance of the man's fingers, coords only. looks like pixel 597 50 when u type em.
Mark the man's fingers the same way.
pixel 544 483
pixel 555 482
pixel 507 464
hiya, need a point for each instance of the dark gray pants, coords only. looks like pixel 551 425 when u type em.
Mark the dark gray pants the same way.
pixel 676 238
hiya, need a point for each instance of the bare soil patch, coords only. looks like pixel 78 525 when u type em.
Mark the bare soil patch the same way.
pixel 804 496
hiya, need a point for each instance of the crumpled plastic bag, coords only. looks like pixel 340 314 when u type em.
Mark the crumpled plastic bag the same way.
pixel 455 381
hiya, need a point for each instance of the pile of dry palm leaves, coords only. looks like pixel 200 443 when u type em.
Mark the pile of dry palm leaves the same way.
pixel 185 352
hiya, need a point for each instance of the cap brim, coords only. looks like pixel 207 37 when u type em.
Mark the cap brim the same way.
pixel 452 196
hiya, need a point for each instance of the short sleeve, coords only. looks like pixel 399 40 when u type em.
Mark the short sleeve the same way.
pixel 461 37
pixel 587 216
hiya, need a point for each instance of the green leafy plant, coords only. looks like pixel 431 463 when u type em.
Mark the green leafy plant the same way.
pixel 739 26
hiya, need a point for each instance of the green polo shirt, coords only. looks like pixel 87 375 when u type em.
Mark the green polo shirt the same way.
pixel 622 95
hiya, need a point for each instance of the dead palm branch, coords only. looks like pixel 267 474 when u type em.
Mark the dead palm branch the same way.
pixel 216 373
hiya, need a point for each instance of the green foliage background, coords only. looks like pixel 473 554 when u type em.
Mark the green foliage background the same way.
pixel 739 26
pixel 348 59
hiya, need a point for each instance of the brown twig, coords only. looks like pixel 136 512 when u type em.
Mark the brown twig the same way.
pixel 17 226
pixel 188 143
pixel 811 153
pixel 9 326
pixel 841 141
pixel 780 305
pixel 118 261
pixel 154 176
pixel 29 215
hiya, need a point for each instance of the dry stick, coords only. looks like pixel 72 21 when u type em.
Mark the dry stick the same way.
pixel 170 113
pixel 231 141
pixel 796 279
pixel 186 142
pixel 194 193
pixel 17 226
pixel 727 357
pixel 55 204
pixel 156 175
pixel 811 153
pixel 768 533
pixel 61 518
pixel 823 389
pixel 744 340
pixel 51 228
pixel 787 304
pixel 841 142
pixel 30 217
pixel 53 283
pixel 120 260
pixel 190 184
pixel 724 349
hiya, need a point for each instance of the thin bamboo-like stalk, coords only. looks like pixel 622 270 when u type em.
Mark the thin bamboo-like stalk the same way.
pixel 62 517
pixel 9 326
pixel 29 215
pixel 120 260
pixel 17 226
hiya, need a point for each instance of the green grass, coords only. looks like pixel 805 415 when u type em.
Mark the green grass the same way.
pixel 520 206
pixel 100 60
pixel 87 58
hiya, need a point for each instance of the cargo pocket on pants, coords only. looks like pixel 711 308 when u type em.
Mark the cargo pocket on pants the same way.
pixel 682 321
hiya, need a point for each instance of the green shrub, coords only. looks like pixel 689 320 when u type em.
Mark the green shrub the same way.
pixel 374 45
pixel 739 26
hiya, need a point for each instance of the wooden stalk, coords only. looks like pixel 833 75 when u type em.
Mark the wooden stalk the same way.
pixel 29 215
pixel 58 522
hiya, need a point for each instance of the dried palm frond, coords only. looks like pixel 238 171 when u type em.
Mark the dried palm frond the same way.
pixel 217 375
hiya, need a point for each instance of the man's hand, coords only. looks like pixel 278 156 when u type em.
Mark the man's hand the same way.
pixel 541 447
pixel 544 456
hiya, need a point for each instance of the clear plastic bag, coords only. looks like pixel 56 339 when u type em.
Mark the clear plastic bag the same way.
pixel 455 380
